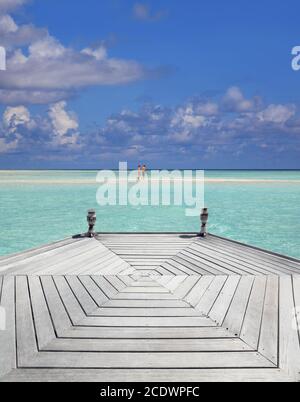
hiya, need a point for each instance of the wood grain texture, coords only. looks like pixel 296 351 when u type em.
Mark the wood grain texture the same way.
pixel 150 307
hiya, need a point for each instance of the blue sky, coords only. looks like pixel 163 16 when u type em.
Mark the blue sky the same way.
pixel 183 84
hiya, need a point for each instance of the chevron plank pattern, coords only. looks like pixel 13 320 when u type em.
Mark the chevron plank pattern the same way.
pixel 130 308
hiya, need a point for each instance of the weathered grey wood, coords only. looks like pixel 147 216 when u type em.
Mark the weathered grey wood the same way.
pixel 146 312
pixel 148 375
pixel 60 318
pixel 26 340
pixel 282 264
pixel 220 307
pixel 13 258
pixel 268 343
pixel 82 295
pixel 148 345
pixel 236 313
pixel 7 337
pixel 234 258
pixel 208 299
pixel 148 307
pixel 199 289
pixel 121 322
pixel 289 346
pixel 43 325
pixel 253 317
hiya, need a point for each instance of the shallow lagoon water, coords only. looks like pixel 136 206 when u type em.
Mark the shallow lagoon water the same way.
pixel 261 208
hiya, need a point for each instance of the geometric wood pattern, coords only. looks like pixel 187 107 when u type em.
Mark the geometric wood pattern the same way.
pixel 159 307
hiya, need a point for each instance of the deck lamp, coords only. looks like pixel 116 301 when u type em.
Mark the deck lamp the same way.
pixel 91 219
pixel 204 219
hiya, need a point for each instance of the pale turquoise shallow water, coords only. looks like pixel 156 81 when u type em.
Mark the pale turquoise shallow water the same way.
pixel 40 207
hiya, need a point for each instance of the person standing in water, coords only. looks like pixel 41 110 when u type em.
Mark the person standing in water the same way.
pixel 144 170
pixel 139 172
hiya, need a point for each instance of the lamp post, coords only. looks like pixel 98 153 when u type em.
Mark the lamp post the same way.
pixel 91 219
pixel 204 219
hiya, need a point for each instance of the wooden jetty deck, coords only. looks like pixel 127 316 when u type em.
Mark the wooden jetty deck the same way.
pixel 149 307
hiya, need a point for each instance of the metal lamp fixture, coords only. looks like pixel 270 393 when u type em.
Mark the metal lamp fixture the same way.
pixel 204 219
pixel 91 219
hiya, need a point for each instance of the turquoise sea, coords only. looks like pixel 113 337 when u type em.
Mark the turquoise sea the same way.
pixel 261 208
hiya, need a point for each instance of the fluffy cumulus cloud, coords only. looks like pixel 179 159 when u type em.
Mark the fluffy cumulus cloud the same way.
pixel 57 130
pixel 40 69
pixel 199 128
pixel 209 127
pixel 10 5
pixel 65 125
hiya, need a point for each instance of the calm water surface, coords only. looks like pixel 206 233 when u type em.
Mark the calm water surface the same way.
pixel 261 208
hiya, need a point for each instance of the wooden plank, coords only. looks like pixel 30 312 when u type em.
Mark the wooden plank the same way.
pixel 145 290
pixel 289 346
pixel 253 317
pixel 95 292
pixel 236 313
pixel 42 319
pixel 175 282
pixel 147 345
pixel 7 335
pixel 296 288
pixel 233 258
pixel 263 258
pixel 145 312
pixel 212 293
pixel 148 296
pixel 149 360
pixel 60 318
pixel 146 303
pixel 184 258
pixel 199 290
pixel 116 282
pixel 220 307
pixel 83 297
pixel 55 254
pixel 146 333
pixel 258 263
pixel 185 267
pixel 186 286
pixel 268 343
pixel 148 375
pixel 74 309
pixel 211 258
pixel 26 341
pixel 107 288
pixel 14 258
pixel 136 322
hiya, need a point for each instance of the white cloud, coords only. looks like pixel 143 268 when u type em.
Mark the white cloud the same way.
pixel 52 68
pixel 7 25
pixel 10 5
pixel 235 101
pixel 65 125
pixel 14 117
pixel 194 128
pixel 100 53
pixel 14 35
pixel 277 114
pixel 143 12
pixel 47 71
pixel 57 131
